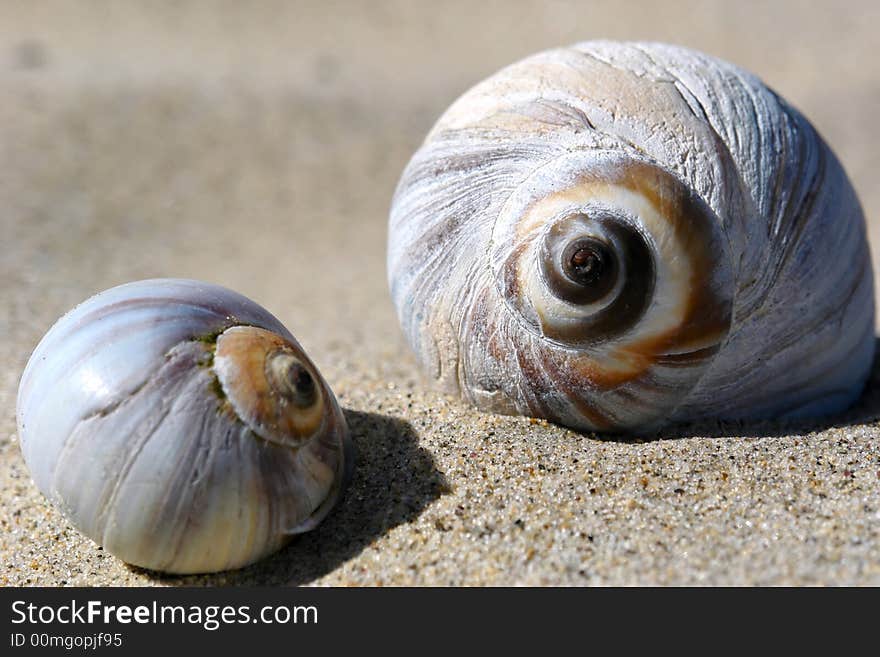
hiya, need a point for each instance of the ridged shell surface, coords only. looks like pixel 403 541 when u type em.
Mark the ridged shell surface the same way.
pixel 614 236
pixel 129 421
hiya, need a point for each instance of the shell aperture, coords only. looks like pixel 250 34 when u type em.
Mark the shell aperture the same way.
pixel 627 234
pixel 147 416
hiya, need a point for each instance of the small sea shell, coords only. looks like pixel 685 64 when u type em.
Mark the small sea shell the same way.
pixel 181 426
pixel 614 236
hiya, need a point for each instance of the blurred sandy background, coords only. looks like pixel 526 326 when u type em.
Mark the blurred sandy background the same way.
pixel 257 145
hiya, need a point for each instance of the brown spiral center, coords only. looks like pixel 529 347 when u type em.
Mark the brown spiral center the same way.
pixel 602 264
pixel 592 265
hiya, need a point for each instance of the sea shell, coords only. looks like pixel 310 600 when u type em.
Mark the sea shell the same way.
pixel 614 236
pixel 180 425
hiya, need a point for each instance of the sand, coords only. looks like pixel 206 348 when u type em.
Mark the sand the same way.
pixel 257 145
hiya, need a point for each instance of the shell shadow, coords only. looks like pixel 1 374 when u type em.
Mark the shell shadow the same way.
pixel 864 411
pixel 394 480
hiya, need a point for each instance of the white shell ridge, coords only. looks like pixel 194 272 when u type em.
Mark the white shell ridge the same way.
pixel 614 236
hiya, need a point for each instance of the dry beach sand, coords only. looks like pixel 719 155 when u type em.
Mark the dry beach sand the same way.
pixel 257 145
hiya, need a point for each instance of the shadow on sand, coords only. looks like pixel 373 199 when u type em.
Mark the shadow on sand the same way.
pixel 394 481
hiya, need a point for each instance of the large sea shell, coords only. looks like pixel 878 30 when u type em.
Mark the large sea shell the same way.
pixel 735 279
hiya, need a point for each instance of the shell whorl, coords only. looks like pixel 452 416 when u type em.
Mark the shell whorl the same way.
pixel 708 204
